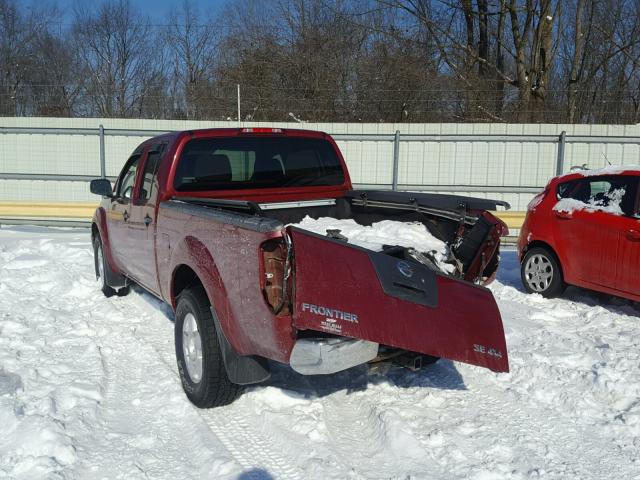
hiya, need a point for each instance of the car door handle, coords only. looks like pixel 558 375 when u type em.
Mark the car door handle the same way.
pixel 563 215
pixel 147 220
pixel 633 235
pixel 125 216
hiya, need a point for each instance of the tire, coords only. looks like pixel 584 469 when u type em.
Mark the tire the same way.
pixel 100 264
pixel 541 273
pixel 200 363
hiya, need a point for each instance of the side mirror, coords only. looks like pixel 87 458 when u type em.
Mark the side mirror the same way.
pixel 101 186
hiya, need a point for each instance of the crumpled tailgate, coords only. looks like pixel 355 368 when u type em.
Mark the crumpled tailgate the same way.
pixel 350 291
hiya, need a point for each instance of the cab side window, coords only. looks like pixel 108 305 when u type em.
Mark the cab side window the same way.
pixel 127 179
pixel 150 170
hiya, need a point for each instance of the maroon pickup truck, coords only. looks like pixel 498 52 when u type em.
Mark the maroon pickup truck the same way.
pixel 202 220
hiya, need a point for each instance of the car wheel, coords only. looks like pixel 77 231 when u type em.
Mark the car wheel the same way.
pixel 101 267
pixel 541 273
pixel 200 363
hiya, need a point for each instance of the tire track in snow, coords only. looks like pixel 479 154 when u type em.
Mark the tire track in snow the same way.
pixel 368 440
pixel 122 415
pixel 229 424
pixel 142 412
pixel 360 445
pixel 248 446
pixel 546 438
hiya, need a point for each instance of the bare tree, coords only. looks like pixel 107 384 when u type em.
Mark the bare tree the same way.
pixel 115 45
pixel 530 47
pixel 192 43
pixel 17 32
pixel 578 56
pixel 329 60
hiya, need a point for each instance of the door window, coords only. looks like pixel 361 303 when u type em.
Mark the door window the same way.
pixel 614 194
pixel 150 169
pixel 127 179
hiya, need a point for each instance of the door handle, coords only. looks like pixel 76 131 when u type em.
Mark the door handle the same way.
pixel 563 215
pixel 125 216
pixel 633 235
pixel 147 220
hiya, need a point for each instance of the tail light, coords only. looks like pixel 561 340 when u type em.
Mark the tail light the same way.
pixel 502 228
pixel 537 200
pixel 275 273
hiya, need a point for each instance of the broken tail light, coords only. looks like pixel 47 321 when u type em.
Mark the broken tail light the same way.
pixel 275 273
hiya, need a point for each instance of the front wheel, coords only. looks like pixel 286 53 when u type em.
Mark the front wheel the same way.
pixel 100 265
pixel 540 272
pixel 200 363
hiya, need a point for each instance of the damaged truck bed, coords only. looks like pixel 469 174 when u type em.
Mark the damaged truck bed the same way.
pixel 206 221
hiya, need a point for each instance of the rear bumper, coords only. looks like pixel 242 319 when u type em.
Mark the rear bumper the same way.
pixel 321 356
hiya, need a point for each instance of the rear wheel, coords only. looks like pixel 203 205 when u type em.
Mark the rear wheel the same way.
pixel 541 273
pixel 200 363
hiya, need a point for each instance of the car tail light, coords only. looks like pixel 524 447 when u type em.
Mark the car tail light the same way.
pixel 261 130
pixel 502 228
pixel 537 200
pixel 275 272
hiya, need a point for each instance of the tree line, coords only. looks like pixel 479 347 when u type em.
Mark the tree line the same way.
pixel 575 61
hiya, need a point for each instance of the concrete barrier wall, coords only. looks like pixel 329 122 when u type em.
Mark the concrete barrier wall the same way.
pixel 483 167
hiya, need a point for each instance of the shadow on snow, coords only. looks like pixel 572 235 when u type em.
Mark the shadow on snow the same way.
pixel 509 275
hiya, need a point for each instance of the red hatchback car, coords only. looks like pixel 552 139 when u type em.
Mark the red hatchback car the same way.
pixel 584 230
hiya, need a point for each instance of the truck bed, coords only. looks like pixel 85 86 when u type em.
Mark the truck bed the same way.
pixel 449 218
pixel 327 274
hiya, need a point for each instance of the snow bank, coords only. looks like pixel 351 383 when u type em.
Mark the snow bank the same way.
pixel 387 232
pixel 89 389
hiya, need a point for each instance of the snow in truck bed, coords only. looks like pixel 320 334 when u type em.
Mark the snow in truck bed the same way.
pixel 386 232
pixel 89 389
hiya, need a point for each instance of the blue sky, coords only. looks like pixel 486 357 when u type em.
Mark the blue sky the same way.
pixel 156 9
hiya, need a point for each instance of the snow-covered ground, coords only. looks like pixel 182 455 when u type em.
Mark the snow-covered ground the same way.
pixel 89 389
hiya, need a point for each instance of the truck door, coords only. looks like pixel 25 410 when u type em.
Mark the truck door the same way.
pixel 349 291
pixel 141 226
pixel 119 212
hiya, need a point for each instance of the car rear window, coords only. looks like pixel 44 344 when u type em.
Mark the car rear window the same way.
pixel 257 162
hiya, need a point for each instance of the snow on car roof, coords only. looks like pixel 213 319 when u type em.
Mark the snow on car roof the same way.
pixel 608 170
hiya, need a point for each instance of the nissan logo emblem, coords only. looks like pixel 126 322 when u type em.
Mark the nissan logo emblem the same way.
pixel 405 269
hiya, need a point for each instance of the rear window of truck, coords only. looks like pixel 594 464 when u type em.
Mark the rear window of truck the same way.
pixel 262 162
